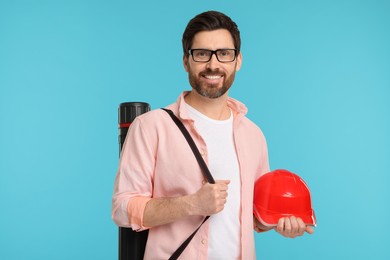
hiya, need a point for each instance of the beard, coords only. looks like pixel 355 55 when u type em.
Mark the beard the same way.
pixel 210 90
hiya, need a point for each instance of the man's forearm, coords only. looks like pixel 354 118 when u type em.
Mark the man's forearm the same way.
pixel 161 211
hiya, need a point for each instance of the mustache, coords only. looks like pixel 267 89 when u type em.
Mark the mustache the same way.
pixel 212 72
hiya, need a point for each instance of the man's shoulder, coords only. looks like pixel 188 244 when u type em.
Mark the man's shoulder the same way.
pixel 152 117
pixel 156 118
pixel 249 123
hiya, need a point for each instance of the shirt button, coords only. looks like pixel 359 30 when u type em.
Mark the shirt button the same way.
pixel 204 241
pixel 202 152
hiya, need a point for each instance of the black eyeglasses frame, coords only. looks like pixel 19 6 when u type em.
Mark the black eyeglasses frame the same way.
pixel 190 51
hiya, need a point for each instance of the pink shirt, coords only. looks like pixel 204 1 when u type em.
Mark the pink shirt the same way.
pixel 156 162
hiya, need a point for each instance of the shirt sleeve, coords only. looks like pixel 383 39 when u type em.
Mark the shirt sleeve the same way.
pixel 133 182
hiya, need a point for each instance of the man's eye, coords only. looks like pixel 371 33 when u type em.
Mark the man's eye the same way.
pixel 225 53
pixel 201 53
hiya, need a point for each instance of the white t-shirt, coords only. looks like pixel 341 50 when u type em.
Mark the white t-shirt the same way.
pixel 224 229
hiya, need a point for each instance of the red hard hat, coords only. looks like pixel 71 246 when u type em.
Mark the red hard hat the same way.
pixel 281 193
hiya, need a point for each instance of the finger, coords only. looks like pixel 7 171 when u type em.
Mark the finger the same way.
pixel 294 226
pixel 221 188
pixel 223 195
pixel 222 183
pixel 309 230
pixel 301 226
pixel 287 227
pixel 256 224
pixel 280 226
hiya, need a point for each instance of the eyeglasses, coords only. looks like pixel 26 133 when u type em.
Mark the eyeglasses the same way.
pixel 223 55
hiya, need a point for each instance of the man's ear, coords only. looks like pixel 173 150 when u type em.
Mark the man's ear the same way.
pixel 185 62
pixel 239 61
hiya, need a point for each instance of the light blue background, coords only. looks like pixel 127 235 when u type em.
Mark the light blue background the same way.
pixel 315 77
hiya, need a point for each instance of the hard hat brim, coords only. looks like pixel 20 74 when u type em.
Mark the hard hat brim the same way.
pixel 271 220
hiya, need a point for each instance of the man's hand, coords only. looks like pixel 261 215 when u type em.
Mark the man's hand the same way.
pixel 292 227
pixel 259 227
pixel 210 199
pixel 288 227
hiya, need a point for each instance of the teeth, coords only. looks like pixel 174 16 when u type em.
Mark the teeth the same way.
pixel 213 77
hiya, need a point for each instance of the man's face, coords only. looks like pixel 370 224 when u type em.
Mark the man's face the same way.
pixel 212 79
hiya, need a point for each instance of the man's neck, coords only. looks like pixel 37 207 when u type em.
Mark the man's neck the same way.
pixel 214 108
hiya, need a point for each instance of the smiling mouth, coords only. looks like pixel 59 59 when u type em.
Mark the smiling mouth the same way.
pixel 213 77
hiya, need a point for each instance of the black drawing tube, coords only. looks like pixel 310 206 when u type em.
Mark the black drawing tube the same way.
pixel 131 244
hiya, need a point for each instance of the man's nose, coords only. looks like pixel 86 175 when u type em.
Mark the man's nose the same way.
pixel 213 62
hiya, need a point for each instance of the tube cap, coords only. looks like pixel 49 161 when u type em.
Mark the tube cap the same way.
pixel 128 111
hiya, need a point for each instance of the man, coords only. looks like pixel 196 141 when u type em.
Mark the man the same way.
pixel 159 185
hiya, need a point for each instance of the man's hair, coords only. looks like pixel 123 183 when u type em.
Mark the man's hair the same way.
pixel 209 21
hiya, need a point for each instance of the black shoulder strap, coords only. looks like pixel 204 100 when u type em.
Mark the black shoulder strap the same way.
pixel 205 171
pixel 193 146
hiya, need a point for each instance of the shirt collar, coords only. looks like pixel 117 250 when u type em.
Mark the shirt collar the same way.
pixel 236 106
